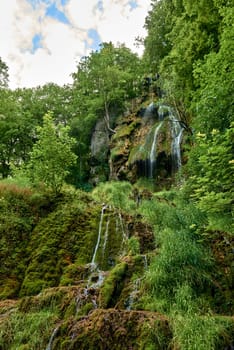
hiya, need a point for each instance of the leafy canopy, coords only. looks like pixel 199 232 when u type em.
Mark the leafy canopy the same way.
pixel 51 156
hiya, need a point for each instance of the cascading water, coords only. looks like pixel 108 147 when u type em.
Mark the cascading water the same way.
pixel 94 266
pixel 53 335
pixel 152 155
pixel 176 133
pixel 134 294
pixel 144 257
pixel 105 237
pixel 136 287
pixel 99 236
pixel 150 111
pixel 163 112
pixel 124 235
pixel 166 113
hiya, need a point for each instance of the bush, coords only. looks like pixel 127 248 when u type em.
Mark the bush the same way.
pixel 180 261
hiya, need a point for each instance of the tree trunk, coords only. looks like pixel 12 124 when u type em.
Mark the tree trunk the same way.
pixel 107 119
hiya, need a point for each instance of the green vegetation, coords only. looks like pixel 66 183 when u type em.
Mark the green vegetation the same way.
pixel 113 285
pixel 163 271
pixel 26 331
pixel 51 156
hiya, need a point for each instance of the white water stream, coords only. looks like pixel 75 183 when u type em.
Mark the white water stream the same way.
pixel 99 235
pixel 53 335
pixel 152 156
pixel 94 266
pixel 176 133
pixel 105 238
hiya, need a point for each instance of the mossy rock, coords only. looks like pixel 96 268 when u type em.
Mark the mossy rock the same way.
pixel 113 285
pixel 125 130
pixel 115 329
pixel 64 237
pixel 74 274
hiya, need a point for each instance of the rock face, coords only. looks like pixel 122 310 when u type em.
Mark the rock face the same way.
pixel 99 152
pixel 117 329
pixel 101 329
pixel 147 144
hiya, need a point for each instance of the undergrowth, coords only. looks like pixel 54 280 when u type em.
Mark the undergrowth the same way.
pixel 180 279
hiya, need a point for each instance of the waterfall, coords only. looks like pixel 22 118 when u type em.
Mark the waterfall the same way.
pixel 94 267
pixel 176 130
pixel 150 111
pixel 53 335
pixel 81 299
pixel 176 133
pixel 163 112
pixel 133 296
pixel 99 236
pixel 105 238
pixel 124 235
pixel 152 156
pixel 144 257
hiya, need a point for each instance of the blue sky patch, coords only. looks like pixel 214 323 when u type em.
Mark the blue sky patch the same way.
pixel 64 2
pixel 100 5
pixel 51 9
pixel 93 34
pixel 35 3
pixel 36 42
pixel 54 12
pixel 133 4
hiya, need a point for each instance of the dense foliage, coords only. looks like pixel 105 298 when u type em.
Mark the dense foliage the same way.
pixel 51 156
pixel 156 251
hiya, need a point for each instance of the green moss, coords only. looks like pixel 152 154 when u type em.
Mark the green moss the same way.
pixel 85 309
pixel 125 130
pixel 120 150
pixel 74 274
pixel 113 285
pixel 134 245
pixel 64 237
pixel 138 152
pixel 156 336
pixel 115 329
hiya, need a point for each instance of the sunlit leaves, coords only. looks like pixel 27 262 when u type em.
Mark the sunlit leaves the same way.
pixel 212 176
pixel 4 76
pixel 51 155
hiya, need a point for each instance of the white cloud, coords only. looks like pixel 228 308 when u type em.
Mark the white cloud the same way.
pixel 122 24
pixel 84 15
pixel 62 44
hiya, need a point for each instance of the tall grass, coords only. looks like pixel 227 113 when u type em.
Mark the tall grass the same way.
pixel 179 279
pixel 180 261
pixel 194 332
pixel 26 331
pixel 166 210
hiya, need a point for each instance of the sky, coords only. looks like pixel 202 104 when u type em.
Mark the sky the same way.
pixel 42 41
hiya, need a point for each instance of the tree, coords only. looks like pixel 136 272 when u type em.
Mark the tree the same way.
pixel 49 97
pixel 211 173
pixel 106 78
pixel 194 34
pixel 17 131
pixel 4 76
pixel 180 32
pixel 103 83
pixel 159 24
pixel 51 155
pixel 213 99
